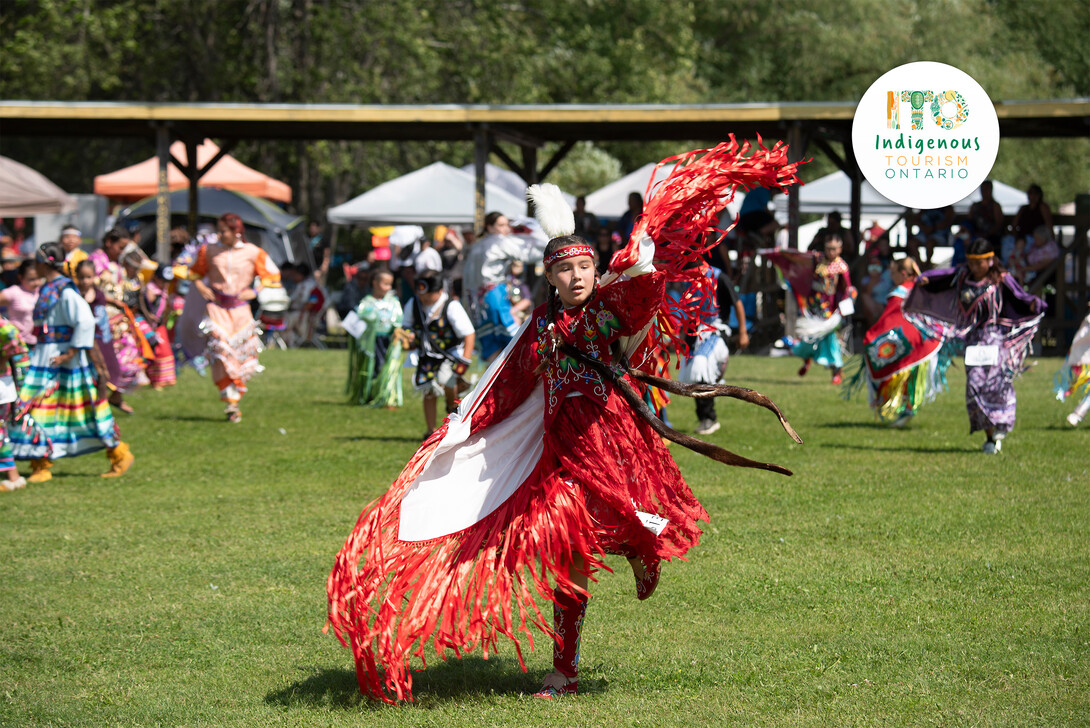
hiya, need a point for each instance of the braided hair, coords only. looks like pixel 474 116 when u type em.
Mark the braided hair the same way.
pixel 552 296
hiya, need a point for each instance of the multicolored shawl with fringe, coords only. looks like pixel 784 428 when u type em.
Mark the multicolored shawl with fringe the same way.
pixel 949 296
pixel 1073 379
pixel 904 367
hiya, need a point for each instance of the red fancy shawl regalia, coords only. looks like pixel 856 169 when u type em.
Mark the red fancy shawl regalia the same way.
pixel 490 512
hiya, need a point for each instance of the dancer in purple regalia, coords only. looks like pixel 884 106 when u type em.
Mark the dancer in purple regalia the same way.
pixel 997 320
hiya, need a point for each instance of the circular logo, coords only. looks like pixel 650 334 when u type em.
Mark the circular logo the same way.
pixel 925 135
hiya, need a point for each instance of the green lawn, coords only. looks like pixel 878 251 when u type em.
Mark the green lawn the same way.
pixel 899 578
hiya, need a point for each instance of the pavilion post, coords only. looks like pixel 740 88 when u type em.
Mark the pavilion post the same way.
pixel 795 151
pixel 856 176
pixel 480 159
pixel 529 165
pixel 162 197
pixel 192 173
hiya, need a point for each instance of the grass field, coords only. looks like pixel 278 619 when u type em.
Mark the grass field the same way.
pixel 899 578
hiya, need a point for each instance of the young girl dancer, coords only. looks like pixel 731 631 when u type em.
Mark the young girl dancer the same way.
pixel 62 392
pixel 381 311
pixel 550 463
pixel 223 276
pixel 13 366
pixel 1074 379
pixel 821 284
pixel 997 319
pixel 904 365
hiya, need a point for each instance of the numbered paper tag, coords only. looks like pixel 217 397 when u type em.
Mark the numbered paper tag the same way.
pixel 846 307
pixel 982 356
pixel 354 325
pixel 8 393
pixel 652 522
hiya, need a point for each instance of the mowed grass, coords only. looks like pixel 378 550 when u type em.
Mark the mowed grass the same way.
pixel 899 578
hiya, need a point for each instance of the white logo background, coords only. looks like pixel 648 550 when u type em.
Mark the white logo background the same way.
pixel 944 160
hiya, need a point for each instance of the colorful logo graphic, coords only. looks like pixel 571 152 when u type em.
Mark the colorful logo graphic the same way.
pixel 925 135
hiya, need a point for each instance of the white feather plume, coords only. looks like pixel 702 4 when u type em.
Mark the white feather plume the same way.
pixel 551 209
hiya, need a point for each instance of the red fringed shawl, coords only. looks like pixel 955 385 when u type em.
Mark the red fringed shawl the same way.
pixel 392 600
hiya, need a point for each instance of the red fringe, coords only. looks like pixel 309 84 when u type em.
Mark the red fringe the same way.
pixel 680 213
pixel 389 598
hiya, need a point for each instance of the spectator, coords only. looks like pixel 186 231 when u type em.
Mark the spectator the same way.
pixel 833 227
pixel 18 301
pixel 987 215
pixel 586 224
pixel 871 234
pixel 71 239
pixel 1029 218
pixel 754 218
pixel 319 243
pixel 357 285
pixel 604 248
pixel 933 230
pixel 628 219
pixel 308 300
pixel 1040 253
pixel 451 247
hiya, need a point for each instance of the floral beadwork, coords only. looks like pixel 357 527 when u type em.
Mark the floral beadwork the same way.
pixel 590 331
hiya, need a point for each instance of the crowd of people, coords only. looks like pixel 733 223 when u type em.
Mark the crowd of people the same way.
pixel 838 284
pixel 558 454
pixel 79 331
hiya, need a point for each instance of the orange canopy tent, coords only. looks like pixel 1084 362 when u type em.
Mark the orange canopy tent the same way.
pixel 141 180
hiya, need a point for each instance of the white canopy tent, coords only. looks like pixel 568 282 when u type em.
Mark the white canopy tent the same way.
pixel 434 195
pixel 24 191
pixel 833 192
pixel 508 181
pixel 611 201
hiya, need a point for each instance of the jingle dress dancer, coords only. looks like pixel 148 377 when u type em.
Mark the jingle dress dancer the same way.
pixel 61 390
pixel 987 308
pixel 552 461
pixel 904 365
pixel 223 278
pixel 823 289
pixel 1073 380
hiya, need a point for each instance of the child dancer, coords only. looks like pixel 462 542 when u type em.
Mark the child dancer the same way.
pixel 96 299
pixel 821 284
pixel 381 312
pixel 223 276
pixel 551 462
pixel 708 352
pixel 13 366
pixel 444 338
pixel 63 393
pixel 1073 380
pixel 154 310
pixel 904 365
pixel 997 319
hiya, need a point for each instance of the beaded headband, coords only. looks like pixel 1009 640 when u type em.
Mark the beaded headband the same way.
pixel 569 252
pixel 981 256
